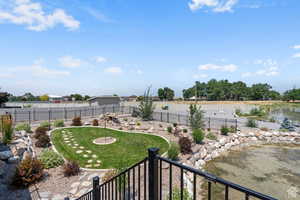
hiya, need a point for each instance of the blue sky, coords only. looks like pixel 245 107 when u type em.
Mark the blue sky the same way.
pixel 99 47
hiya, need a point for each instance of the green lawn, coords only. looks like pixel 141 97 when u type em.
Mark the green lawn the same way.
pixel 127 150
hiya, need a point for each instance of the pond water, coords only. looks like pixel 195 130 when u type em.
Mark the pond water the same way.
pixel 270 169
pixel 292 113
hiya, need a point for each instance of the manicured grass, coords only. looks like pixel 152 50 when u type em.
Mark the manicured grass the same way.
pixel 127 150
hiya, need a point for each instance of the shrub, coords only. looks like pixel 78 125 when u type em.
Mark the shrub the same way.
pixel 7 131
pixel 23 127
pixel 135 113
pixel 185 130
pixel 251 123
pixel 175 125
pixel 224 130
pixel 43 141
pixel 51 159
pixel 40 131
pixel 185 145
pixel 169 129
pixel 109 175
pixel 138 123
pixel 28 171
pixel 46 124
pixel 125 119
pixel 59 123
pixel 176 194
pixel 196 117
pixel 211 136
pixel 272 119
pixel 71 168
pixel 198 136
pixel 95 122
pixel 257 112
pixel 238 112
pixel 76 121
pixel 173 151
pixel 232 129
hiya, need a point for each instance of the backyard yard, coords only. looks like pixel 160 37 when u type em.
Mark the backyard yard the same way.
pixel 127 148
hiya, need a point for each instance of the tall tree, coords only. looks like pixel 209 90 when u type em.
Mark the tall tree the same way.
pixel 3 98
pixel 166 93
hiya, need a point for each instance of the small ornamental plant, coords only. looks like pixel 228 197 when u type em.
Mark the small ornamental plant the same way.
pixel 198 136
pixel 185 145
pixel 71 168
pixel 76 121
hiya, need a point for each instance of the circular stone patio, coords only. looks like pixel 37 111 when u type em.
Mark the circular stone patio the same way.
pixel 104 140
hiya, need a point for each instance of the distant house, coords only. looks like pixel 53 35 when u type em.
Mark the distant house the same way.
pixel 55 98
pixel 104 100
pixel 129 98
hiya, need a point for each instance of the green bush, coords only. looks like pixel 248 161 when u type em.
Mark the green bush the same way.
pixel 211 136
pixel 257 112
pixel 176 194
pixel 175 125
pixel 23 127
pixel 224 130
pixel 238 112
pixel 46 124
pixel 185 130
pixel 59 123
pixel 173 151
pixel 50 159
pixel 232 129
pixel 29 171
pixel 251 123
pixel 198 136
pixel 185 145
pixel 169 129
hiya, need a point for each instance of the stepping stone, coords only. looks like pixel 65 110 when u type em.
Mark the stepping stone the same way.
pixel 76 144
pixel 79 151
pixel 86 184
pixel 96 165
pixel 88 151
pixel 98 161
pixel 81 147
pixel 90 161
pixel 94 156
pixel 85 155
pixel 76 184
pixel 88 166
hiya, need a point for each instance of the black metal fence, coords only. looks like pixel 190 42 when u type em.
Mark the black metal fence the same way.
pixel 30 115
pixel 154 178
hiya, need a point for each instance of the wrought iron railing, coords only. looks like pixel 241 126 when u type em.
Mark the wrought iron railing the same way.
pixel 153 178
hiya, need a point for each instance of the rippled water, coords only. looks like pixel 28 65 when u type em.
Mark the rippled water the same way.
pixel 269 169
pixel 292 113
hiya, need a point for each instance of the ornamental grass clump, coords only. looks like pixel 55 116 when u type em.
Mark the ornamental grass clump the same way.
pixel 173 151
pixel 23 127
pixel 251 123
pixel 224 130
pixel 29 171
pixel 46 124
pixel 7 131
pixel 146 107
pixel 43 141
pixel 59 123
pixel 71 168
pixel 196 117
pixel 198 136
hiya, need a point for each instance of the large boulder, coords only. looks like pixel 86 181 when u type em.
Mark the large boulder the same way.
pixel 4 155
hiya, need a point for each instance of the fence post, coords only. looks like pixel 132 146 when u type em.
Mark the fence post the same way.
pixel 49 118
pixel 236 125
pixel 209 123
pixel 178 118
pixel 161 116
pixel 34 118
pixel 93 111
pixel 65 113
pixel 15 115
pixel 29 117
pixel 96 181
pixel 113 108
pixel 153 173
pixel 168 117
pixel 226 122
pixel 80 113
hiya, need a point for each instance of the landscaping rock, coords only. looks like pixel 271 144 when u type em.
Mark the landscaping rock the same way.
pixel 4 155
pixel 14 159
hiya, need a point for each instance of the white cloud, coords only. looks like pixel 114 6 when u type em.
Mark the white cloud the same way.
pixel 227 68
pixel 100 59
pixel 270 71
pixel 266 62
pixel 70 62
pixel 216 5
pixel 297 55
pixel 113 70
pixel 296 47
pixel 33 16
pixel 140 72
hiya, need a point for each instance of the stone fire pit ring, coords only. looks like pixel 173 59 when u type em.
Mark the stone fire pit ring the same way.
pixel 104 140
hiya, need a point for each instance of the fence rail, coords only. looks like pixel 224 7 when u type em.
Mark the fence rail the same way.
pixel 30 115
pixel 145 179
